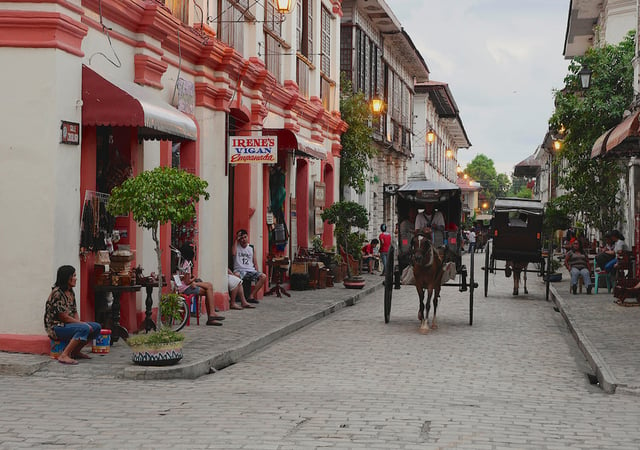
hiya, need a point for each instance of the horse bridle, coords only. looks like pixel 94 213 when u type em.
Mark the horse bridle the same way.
pixel 416 246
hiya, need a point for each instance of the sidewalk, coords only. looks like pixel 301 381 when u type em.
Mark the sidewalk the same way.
pixel 206 348
pixel 607 334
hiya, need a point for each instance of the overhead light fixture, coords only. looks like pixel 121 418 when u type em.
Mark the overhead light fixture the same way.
pixel 557 144
pixel 377 104
pixel 431 135
pixel 449 153
pixel 284 6
pixel 585 77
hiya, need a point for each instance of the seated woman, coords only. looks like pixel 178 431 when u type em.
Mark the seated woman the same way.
pixel 195 286
pixel 61 318
pixel 619 247
pixel 578 264
pixel 236 291
pixel 368 256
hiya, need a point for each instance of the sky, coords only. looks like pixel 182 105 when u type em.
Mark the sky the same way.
pixel 502 60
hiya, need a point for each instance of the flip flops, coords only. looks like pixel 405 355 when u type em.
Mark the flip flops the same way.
pixel 213 322
pixel 253 300
pixel 248 306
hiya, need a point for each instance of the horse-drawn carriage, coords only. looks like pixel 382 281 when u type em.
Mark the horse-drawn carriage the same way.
pixel 442 245
pixel 516 238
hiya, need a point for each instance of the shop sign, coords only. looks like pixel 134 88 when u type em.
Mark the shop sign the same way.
pixel 253 149
pixel 70 133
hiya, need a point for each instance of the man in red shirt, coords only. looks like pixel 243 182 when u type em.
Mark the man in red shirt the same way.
pixel 385 243
pixel 368 256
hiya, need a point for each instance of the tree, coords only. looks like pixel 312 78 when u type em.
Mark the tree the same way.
pixel 494 185
pixel 156 197
pixel 357 149
pixel 345 215
pixel 592 185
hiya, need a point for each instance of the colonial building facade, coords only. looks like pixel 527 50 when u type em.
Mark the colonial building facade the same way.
pixel 99 90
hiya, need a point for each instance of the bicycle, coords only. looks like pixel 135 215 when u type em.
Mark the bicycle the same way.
pixel 174 310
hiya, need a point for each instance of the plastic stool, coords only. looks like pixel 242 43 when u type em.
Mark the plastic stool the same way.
pixel 597 274
pixel 57 347
pixel 192 299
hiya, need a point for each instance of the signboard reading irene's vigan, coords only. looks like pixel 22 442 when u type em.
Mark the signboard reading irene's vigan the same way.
pixel 253 149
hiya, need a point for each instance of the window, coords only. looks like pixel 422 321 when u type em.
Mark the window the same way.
pixel 325 42
pixel 233 14
pixel 304 27
pixel 273 42
pixel 179 8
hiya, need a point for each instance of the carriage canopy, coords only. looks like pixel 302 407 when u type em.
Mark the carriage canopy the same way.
pixel 516 229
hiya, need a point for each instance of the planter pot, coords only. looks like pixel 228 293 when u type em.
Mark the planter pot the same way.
pixel 157 355
pixel 554 277
pixel 354 283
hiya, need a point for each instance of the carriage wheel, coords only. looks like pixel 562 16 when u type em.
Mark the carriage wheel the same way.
pixel 471 288
pixel 388 284
pixel 487 251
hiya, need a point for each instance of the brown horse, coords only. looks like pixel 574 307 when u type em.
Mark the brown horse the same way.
pixel 517 267
pixel 427 269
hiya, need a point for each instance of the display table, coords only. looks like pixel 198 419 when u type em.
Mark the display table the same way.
pixel 117 330
pixel 148 323
pixel 278 268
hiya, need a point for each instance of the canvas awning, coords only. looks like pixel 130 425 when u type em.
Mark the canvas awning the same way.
pixel 288 141
pixel 125 104
pixel 600 146
pixel 529 168
pixel 624 131
pixel 621 140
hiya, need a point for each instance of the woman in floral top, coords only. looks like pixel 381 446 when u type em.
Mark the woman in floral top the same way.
pixel 61 318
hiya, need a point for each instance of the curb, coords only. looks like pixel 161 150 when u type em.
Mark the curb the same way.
pixel 608 382
pixel 229 357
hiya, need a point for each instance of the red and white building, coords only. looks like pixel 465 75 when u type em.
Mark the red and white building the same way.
pixel 97 90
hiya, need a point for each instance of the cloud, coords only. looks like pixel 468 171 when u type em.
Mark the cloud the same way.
pixel 501 59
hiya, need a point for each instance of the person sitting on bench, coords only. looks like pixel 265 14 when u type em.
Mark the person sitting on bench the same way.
pixel 368 255
pixel 245 264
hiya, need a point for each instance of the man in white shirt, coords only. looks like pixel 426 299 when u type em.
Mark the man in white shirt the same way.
pixel 245 264
pixel 472 241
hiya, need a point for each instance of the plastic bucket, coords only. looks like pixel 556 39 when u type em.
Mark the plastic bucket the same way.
pixel 102 343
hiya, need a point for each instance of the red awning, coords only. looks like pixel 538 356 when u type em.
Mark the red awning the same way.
pixel 625 130
pixel 600 146
pixel 125 104
pixel 288 141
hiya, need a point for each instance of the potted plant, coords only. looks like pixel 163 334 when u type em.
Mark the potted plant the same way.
pixel 156 197
pixel 346 215
pixel 554 275
pixel 162 347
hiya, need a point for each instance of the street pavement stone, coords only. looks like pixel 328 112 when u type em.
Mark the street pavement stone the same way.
pixel 515 379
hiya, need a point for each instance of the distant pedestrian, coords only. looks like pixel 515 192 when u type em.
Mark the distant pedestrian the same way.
pixel 472 241
pixel 385 244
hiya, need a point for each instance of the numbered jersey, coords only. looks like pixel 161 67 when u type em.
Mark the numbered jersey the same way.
pixel 244 259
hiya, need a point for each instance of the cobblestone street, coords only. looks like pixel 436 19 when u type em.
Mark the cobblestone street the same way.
pixel 515 379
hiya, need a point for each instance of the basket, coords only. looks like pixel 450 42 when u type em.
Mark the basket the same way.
pixel 121 264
